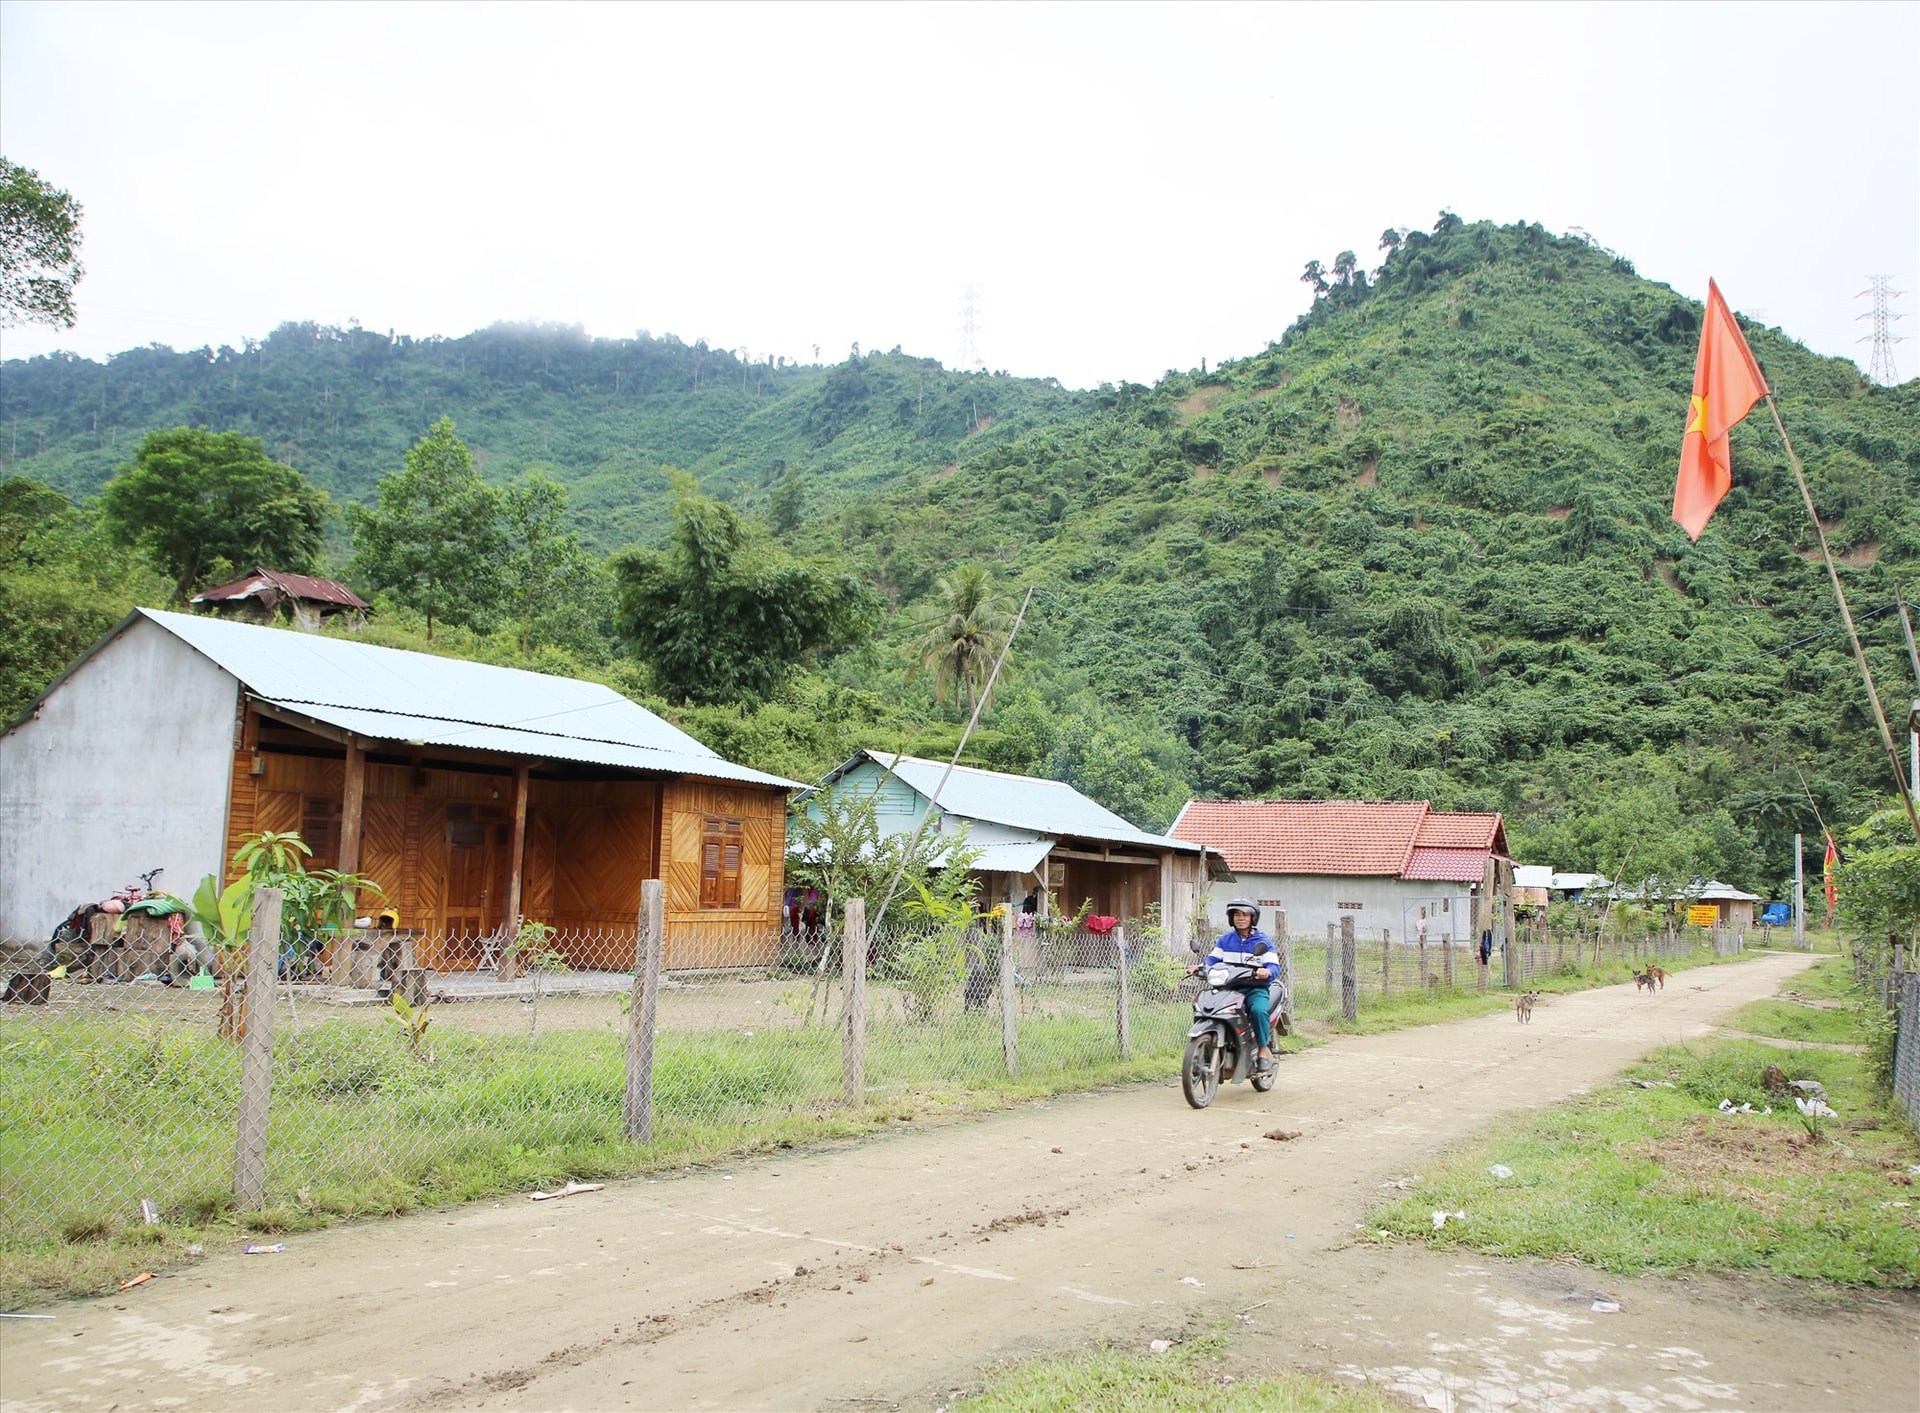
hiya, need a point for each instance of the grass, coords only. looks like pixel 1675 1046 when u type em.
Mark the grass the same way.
pixel 104 1111
pixel 1637 1180
pixel 1199 1374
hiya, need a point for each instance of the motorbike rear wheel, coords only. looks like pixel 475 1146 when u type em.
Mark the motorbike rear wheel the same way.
pixel 1200 1072
pixel 1263 1082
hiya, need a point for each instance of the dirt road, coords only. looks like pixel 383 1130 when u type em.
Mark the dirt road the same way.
pixel 893 1268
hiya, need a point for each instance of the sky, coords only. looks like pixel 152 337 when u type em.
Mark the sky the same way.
pixel 1127 188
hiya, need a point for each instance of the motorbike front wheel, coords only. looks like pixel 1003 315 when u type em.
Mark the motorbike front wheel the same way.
pixel 1200 1073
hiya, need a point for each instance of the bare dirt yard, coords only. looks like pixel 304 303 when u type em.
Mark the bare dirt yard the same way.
pixel 892 1269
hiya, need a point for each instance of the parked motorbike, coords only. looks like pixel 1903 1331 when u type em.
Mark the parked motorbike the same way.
pixel 1222 1044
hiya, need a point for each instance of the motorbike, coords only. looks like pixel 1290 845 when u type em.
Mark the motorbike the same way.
pixel 1222 1044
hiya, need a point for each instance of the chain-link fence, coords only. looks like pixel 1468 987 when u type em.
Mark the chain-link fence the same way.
pixel 339 1074
pixel 1906 1047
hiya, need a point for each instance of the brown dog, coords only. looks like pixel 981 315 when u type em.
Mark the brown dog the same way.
pixel 1650 978
pixel 1523 1006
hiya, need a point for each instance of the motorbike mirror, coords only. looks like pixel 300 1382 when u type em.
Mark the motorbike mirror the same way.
pixel 1196 946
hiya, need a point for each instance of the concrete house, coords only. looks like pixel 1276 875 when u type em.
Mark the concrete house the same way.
pixel 473 795
pixel 1034 834
pixel 1390 866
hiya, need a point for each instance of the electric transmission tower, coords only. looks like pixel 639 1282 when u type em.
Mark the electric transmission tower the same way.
pixel 1880 367
pixel 969 329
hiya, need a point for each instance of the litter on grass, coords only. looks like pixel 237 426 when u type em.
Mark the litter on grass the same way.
pixel 274 1250
pixel 1814 1108
pixel 1500 1171
pixel 1189 1280
pixel 1606 1307
pixel 572 1189
pixel 140 1279
pixel 1440 1219
pixel 1727 1106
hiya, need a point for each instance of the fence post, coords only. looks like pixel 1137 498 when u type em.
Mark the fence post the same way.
pixel 853 973
pixel 1333 963
pixel 1284 944
pixel 1009 1016
pixel 1123 1022
pixel 256 1053
pixel 636 1106
pixel 1349 971
pixel 1386 962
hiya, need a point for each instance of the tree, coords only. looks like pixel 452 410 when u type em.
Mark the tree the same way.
pixel 549 581
pixel 208 504
pixel 1390 240
pixel 961 638
pixel 39 250
pixel 1316 275
pixel 723 614
pixel 434 540
pixel 1343 266
pixel 788 505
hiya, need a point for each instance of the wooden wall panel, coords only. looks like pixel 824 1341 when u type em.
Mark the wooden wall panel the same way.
pixel 383 853
pixel 680 862
pixel 537 872
pixel 763 814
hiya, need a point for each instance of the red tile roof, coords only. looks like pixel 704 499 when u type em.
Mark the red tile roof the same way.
pixel 1305 836
pixel 1447 865
pixel 1460 831
pixel 1395 838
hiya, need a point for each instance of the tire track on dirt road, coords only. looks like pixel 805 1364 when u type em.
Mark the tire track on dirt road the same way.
pixel 893 1267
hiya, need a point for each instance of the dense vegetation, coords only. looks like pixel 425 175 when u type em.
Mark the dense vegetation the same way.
pixel 1417 547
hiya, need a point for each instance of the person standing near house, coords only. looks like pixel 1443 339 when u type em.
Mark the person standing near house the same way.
pixel 1245 943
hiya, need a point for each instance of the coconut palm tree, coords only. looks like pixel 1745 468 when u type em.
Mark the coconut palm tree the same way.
pixel 962 635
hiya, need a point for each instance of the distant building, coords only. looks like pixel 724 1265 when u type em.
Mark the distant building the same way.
pixel 1388 865
pixel 1541 884
pixel 266 595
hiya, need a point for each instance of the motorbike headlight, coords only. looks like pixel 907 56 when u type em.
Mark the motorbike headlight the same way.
pixel 1219 975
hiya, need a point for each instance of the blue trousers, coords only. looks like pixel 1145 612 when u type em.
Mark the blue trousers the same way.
pixel 1260 1002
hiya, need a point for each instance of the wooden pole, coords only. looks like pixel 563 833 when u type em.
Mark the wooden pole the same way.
pixel 1846 615
pixel 1349 971
pixel 353 805
pixel 1283 942
pixel 1123 1026
pixel 256 1055
pixel 517 854
pixel 1009 1001
pixel 643 1014
pixel 853 971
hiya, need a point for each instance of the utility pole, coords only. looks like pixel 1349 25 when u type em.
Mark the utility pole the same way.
pixel 1799 895
pixel 1880 367
pixel 1913 713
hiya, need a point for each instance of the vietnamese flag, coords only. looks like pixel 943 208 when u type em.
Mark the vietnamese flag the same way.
pixel 1726 384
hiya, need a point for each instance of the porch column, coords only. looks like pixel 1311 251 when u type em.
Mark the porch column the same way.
pixel 352 807
pixel 518 857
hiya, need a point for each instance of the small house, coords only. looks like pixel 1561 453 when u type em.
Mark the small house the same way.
pixel 1398 867
pixel 268 596
pixel 473 795
pixel 1035 834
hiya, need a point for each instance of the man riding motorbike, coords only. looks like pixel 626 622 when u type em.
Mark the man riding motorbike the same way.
pixel 1244 942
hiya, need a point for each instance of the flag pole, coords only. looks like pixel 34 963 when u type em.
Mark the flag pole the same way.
pixel 1846 614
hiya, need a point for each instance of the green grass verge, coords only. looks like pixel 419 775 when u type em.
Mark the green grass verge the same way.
pixel 1199 1374
pixel 1788 1020
pixel 104 1111
pixel 1657 1179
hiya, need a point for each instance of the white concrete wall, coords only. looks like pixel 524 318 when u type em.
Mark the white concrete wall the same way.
pixel 1311 901
pixel 123 769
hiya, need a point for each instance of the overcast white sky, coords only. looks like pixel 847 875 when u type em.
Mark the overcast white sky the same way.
pixel 1131 187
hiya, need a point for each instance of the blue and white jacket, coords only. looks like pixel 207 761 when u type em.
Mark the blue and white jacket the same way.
pixel 1256 948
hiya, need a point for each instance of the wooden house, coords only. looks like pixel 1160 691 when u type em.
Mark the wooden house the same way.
pixel 1035 834
pixel 473 795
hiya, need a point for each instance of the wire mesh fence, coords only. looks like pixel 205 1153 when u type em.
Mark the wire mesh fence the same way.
pixel 337 1074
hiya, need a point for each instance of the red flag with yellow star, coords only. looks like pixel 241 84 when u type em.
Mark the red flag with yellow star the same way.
pixel 1726 385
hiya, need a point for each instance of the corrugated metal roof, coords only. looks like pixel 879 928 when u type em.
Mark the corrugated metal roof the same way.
pixel 1021 801
pixel 1011 858
pixel 302 586
pixel 393 695
pixel 1533 875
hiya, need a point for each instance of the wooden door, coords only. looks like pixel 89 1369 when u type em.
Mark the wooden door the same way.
pixel 474 893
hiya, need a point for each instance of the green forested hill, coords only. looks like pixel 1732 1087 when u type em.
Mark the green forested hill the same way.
pixel 1418 546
